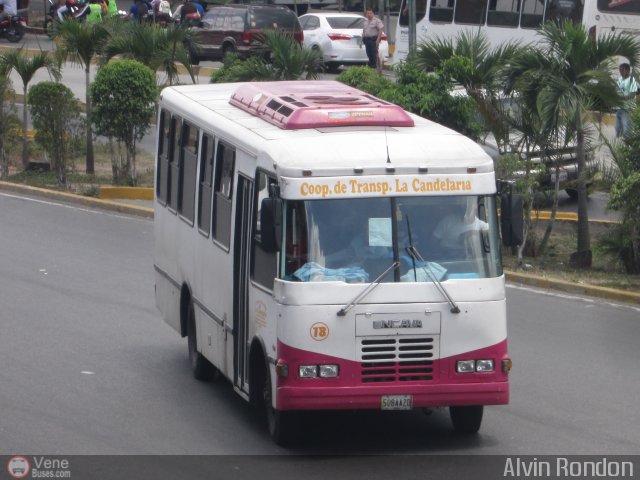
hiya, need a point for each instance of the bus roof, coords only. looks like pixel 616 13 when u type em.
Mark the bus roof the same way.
pixel 320 150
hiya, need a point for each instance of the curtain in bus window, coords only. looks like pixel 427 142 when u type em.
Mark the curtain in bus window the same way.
pixel 441 11
pixel 163 160
pixel 225 161
pixel 619 6
pixel 561 10
pixel 188 164
pixel 532 13
pixel 206 183
pixel 504 13
pixel 471 12
pixel 174 160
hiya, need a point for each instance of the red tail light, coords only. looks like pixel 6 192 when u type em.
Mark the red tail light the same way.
pixel 339 36
pixel 246 37
pixel 299 36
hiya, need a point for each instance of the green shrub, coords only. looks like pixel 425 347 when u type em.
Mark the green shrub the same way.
pixel 55 114
pixel 124 93
pixel 425 94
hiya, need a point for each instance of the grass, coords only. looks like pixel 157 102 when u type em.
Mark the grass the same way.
pixel 78 181
pixel 606 270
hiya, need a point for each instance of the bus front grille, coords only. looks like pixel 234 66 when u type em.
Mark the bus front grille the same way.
pixel 405 359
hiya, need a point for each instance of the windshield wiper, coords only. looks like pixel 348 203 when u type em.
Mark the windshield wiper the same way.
pixel 413 252
pixel 343 311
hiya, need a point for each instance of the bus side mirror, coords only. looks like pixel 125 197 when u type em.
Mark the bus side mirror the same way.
pixel 271 224
pixel 511 219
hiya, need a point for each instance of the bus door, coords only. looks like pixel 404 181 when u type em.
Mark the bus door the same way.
pixel 241 264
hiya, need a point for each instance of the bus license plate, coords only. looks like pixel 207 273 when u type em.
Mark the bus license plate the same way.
pixel 396 402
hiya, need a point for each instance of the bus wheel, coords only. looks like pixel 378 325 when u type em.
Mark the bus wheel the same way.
pixel 282 424
pixel 200 366
pixel 466 419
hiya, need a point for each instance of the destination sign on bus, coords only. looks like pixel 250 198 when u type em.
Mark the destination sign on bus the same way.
pixel 396 185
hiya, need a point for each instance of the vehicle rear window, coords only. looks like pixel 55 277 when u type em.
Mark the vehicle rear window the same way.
pixel 268 18
pixel 349 22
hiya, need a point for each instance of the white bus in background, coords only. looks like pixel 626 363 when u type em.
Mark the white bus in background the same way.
pixel 324 249
pixel 507 20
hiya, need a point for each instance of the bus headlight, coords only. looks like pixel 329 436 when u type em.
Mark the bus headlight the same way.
pixel 329 371
pixel 466 366
pixel 308 371
pixel 484 366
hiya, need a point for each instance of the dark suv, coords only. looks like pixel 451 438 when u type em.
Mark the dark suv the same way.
pixel 239 29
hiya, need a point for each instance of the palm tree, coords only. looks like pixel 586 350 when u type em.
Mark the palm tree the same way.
pixel 569 74
pixel 470 61
pixel 81 43
pixel 153 46
pixel 26 67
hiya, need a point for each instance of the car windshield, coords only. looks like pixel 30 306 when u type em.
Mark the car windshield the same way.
pixel 270 18
pixel 356 240
pixel 346 22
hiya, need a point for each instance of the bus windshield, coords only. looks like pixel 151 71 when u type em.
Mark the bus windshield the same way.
pixel 356 240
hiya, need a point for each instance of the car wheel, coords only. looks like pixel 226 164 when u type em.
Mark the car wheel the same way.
pixel 466 420
pixel 333 67
pixel 227 49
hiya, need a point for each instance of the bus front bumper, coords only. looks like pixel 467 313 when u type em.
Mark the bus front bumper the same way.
pixel 371 397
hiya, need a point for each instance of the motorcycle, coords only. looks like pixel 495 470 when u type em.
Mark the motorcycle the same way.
pixel 13 28
pixel 75 9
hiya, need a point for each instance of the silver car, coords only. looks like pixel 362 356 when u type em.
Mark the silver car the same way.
pixel 339 37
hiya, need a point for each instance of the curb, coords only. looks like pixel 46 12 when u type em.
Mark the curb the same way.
pixel 127 193
pixel 65 197
pixel 575 288
pixel 135 193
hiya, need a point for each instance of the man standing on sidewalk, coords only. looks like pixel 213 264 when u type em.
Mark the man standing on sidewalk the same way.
pixel 371 35
pixel 627 88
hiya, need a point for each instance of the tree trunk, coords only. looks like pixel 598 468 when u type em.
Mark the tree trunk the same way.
pixel 582 258
pixel 90 163
pixel 25 130
pixel 554 213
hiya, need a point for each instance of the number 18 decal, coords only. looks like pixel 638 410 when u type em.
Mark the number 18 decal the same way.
pixel 319 331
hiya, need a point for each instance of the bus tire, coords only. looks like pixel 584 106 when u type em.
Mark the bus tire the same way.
pixel 282 424
pixel 466 420
pixel 200 366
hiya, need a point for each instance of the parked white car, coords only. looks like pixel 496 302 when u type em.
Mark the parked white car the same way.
pixel 339 37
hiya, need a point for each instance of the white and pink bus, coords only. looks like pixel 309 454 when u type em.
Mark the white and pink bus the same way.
pixel 511 20
pixel 324 249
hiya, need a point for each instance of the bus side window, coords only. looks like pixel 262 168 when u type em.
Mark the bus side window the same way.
pixel 225 163
pixel 471 12
pixel 532 11
pixel 264 265
pixel 173 180
pixel 164 138
pixel 187 167
pixel 421 10
pixel 441 11
pixel 205 190
pixel 503 13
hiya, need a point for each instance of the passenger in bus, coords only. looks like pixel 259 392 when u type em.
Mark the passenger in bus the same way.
pixel 627 89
